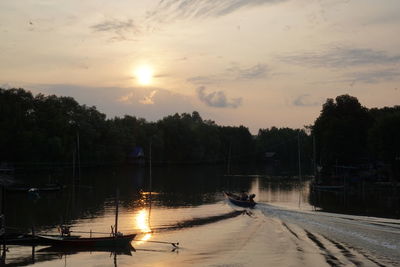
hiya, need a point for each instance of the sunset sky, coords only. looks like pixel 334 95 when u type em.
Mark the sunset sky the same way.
pixel 257 63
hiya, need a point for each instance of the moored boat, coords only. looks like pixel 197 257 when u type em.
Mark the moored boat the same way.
pixel 236 200
pixel 108 241
pixel 44 188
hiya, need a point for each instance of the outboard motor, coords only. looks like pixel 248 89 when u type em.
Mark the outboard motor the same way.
pixel 33 193
pixel 251 197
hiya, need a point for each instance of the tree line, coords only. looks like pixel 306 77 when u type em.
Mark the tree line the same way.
pixel 50 129
pixel 348 133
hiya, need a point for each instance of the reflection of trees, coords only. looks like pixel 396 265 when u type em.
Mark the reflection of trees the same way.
pixel 183 186
pixel 372 200
pixel 87 200
pixel 175 186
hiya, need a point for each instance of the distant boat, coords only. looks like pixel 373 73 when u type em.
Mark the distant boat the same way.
pixel 88 242
pixel 44 188
pixel 235 199
pixel 26 239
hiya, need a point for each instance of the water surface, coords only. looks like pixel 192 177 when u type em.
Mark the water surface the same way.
pixel 186 205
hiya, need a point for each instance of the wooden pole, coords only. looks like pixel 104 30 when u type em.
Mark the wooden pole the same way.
pixel 116 213
pixel 33 254
pixel 151 183
pixel 150 166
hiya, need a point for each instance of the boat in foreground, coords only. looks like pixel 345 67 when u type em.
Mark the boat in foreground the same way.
pixel 108 241
pixel 235 199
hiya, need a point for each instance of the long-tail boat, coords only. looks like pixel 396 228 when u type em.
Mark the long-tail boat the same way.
pixel 236 200
pixel 116 239
pixel 107 241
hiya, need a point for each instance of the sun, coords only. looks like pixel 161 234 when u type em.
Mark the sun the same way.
pixel 144 75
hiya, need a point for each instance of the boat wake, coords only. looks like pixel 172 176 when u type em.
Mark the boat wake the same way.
pixel 200 221
pixel 374 239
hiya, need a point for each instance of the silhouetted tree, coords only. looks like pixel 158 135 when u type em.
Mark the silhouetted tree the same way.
pixel 341 131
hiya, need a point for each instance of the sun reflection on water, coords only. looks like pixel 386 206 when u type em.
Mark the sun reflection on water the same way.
pixel 143 224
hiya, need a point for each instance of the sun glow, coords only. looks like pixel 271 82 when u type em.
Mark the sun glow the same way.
pixel 144 75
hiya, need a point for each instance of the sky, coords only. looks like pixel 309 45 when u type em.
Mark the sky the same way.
pixel 256 63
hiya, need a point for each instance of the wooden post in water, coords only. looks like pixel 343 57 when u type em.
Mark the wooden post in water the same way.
pixel 33 254
pixel 150 166
pixel 116 213
pixel 150 182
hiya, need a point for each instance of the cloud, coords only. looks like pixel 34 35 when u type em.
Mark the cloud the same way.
pixel 374 76
pixel 305 101
pixel 233 73
pixel 169 10
pixel 120 29
pixel 126 99
pixel 217 99
pixel 342 57
pixel 255 72
pixel 206 80
pixel 149 100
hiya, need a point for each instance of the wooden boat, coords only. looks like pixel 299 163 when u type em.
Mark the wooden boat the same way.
pixel 28 239
pixel 235 199
pixel 44 188
pixel 87 242
pixel 18 239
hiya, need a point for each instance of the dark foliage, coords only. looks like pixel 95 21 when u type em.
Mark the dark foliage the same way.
pixel 348 133
pixel 47 129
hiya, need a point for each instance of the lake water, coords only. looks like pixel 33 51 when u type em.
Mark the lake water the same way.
pixel 186 205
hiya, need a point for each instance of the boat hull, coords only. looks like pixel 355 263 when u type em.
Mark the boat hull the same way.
pixel 233 199
pixel 119 241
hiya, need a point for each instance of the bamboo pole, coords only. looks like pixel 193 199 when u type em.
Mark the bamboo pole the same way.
pixel 116 213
